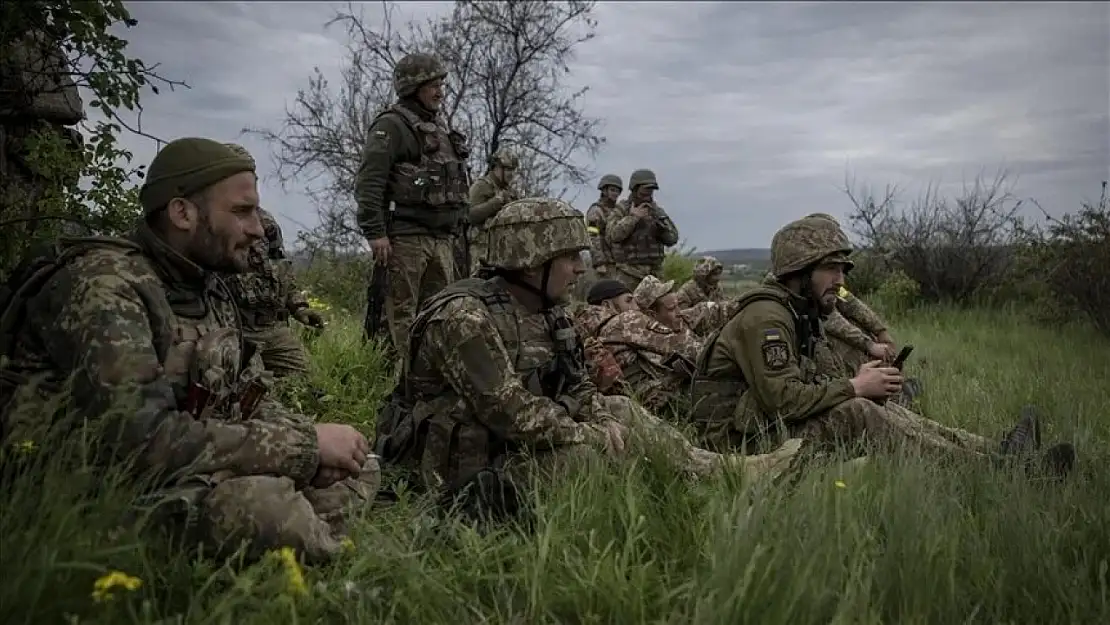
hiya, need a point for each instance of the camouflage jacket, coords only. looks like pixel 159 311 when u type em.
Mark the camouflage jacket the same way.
pixel 599 245
pixel 635 241
pixel 483 205
pixel 695 291
pixel 704 318
pixel 851 315
pixel 476 375
pixel 139 331
pixel 266 294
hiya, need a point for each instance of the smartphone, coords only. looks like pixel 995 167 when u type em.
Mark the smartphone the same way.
pixel 902 356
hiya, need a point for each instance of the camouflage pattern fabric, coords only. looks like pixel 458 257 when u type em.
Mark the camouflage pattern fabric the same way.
pixel 486 198
pixel 267 295
pixel 37 95
pixel 414 70
pixel 637 245
pixel 151 346
pixel 419 268
pixel 600 256
pixel 642 348
pixel 697 289
pixel 473 390
pixel 706 317
pixel 775 381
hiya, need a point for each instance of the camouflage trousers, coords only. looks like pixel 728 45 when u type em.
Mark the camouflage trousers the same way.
pixel 631 275
pixel 420 267
pixel 889 426
pixel 281 351
pixel 645 431
pixel 268 512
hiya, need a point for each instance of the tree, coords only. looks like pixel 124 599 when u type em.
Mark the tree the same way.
pixel 507 61
pixel 953 249
pixel 56 179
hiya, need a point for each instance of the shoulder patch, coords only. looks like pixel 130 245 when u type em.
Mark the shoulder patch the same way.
pixel 771 335
pixel 776 353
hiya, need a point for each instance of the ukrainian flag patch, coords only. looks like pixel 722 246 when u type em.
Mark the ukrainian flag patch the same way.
pixel 771 335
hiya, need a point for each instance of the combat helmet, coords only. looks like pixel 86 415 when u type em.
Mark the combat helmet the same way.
pixel 705 267
pixel 642 177
pixel 529 232
pixel 504 158
pixel 824 216
pixel 414 70
pixel 806 242
pixel 610 180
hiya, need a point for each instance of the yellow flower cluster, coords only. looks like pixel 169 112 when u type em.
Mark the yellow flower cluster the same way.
pixel 113 580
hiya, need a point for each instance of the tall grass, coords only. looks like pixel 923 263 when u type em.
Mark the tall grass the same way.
pixel 897 541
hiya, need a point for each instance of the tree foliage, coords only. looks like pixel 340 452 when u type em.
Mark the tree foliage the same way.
pixel 508 63
pixel 70 182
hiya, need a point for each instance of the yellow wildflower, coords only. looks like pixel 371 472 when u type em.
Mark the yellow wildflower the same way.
pixel 840 484
pixel 25 447
pixel 293 574
pixel 318 304
pixel 347 543
pixel 103 587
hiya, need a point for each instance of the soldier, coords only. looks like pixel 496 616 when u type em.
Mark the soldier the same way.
pixel 494 376
pixel 610 187
pixel 660 302
pixel 489 194
pixel 855 332
pixel 267 296
pixel 38 100
pixel 414 161
pixel 766 370
pixel 638 230
pixel 141 337
pixel 704 286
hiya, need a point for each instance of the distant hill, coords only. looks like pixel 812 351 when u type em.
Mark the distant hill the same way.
pixel 741 256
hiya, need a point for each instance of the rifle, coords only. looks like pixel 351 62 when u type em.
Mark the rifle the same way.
pixel 375 323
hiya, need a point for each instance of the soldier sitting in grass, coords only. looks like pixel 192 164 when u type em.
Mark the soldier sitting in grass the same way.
pixel 704 285
pixel 494 385
pixel 767 371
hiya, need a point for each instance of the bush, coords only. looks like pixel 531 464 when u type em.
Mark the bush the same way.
pixel 339 279
pixel 678 267
pixel 956 250
pixel 1074 258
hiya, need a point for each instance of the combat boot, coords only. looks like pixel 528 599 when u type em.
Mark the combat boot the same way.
pixel 781 461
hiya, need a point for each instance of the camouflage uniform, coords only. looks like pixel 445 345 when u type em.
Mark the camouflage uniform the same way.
pixel 700 320
pixel 854 327
pixel 698 289
pixel 416 163
pixel 767 369
pixel 150 343
pixel 637 245
pixel 267 296
pixel 36 95
pixel 595 225
pixel 487 196
pixel 491 383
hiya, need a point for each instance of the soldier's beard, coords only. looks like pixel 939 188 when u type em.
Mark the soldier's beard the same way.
pixel 215 253
pixel 826 304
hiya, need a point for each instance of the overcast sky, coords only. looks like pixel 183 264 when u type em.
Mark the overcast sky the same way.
pixel 750 114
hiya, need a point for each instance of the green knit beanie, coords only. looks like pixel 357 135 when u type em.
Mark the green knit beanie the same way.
pixel 187 166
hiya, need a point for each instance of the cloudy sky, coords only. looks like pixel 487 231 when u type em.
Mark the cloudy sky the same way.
pixel 750 114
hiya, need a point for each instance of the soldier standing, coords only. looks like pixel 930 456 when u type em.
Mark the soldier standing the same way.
pixel 267 296
pixel 610 187
pixel 412 160
pixel 488 195
pixel 638 231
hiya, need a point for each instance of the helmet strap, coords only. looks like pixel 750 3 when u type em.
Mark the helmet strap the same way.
pixel 514 278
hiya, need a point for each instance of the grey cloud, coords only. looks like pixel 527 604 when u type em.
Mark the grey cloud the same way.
pixel 750 113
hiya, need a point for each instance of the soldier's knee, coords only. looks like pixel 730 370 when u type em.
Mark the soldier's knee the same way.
pixel 860 414
pixel 266 513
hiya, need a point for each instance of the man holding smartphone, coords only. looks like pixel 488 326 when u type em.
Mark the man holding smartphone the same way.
pixel 768 370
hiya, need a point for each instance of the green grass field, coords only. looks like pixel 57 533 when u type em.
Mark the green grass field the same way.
pixel 899 541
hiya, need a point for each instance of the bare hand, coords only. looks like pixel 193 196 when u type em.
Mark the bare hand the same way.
pixel 309 317
pixel 882 351
pixel 876 381
pixel 641 210
pixel 382 250
pixel 341 447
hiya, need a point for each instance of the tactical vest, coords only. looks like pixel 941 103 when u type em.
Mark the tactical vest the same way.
pixel 434 191
pixel 714 400
pixel 403 430
pixel 197 341
pixel 641 247
pixel 260 292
